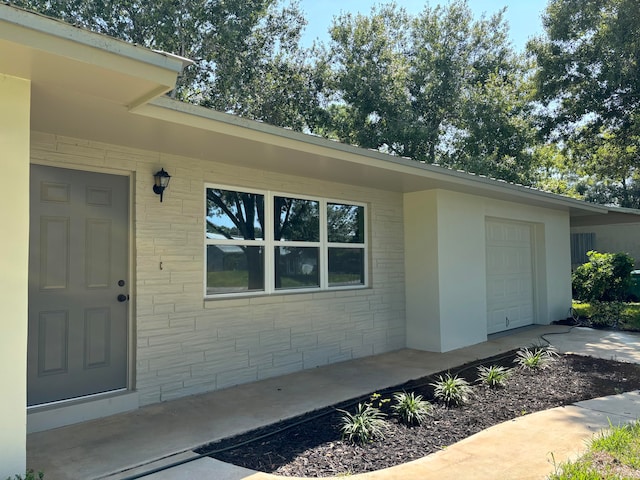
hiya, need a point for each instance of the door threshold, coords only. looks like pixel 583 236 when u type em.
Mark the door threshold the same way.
pixel 67 412
pixel 511 331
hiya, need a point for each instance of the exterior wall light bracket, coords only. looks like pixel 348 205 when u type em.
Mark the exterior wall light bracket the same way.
pixel 161 179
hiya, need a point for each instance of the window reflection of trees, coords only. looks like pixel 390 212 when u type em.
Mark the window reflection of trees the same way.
pixel 240 216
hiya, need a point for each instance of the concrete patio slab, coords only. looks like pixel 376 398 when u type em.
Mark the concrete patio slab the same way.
pixel 112 447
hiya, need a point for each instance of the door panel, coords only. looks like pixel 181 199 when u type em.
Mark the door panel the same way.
pixel 509 275
pixel 54 253
pixel 53 344
pixel 78 251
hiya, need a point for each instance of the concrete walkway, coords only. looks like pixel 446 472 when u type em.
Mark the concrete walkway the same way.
pixel 121 446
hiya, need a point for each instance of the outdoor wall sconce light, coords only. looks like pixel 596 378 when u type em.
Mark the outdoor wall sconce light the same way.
pixel 161 182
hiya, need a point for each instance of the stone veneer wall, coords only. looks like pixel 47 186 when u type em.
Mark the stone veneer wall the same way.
pixel 185 345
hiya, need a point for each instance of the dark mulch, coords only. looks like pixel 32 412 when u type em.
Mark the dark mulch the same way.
pixel 314 448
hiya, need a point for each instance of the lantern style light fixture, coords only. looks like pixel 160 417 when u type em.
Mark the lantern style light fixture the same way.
pixel 161 182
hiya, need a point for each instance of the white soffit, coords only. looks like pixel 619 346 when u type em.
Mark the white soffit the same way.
pixel 286 151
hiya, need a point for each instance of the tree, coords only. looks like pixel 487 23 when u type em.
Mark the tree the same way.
pixel 553 172
pixel 495 134
pixel 609 169
pixel 588 83
pixel 248 59
pixel 366 75
pixel 436 87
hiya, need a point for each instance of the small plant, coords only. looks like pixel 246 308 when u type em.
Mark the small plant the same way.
pixel 377 400
pixel 453 391
pixel 411 408
pixel 365 425
pixel 538 358
pixel 29 475
pixel 493 376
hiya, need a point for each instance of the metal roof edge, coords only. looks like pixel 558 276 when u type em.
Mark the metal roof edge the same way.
pixel 625 210
pixel 383 160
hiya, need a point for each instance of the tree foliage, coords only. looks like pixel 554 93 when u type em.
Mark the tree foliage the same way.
pixel 588 81
pixel 248 59
pixel 437 87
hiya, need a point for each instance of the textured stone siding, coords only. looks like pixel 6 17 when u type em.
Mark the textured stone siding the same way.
pixel 187 345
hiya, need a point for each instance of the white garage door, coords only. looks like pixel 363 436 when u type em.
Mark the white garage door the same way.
pixel 509 275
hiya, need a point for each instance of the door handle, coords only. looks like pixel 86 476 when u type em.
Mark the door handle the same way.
pixel 122 297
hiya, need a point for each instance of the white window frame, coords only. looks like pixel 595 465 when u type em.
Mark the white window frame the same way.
pixel 269 244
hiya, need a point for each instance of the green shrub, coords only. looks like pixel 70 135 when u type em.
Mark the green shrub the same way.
pixel 365 425
pixel 606 314
pixel 605 277
pixel 411 408
pixel 493 376
pixel 537 359
pixel 453 391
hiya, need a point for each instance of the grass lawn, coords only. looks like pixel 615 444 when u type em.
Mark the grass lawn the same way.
pixel 613 455
pixel 630 315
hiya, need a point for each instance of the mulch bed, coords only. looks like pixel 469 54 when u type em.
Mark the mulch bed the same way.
pixel 313 447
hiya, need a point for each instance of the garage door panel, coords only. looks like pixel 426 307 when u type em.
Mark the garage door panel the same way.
pixel 509 275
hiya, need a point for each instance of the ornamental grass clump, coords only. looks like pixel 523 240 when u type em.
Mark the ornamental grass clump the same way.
pixel 411 408
pixel 493 376
pixel 537 358
pixel 365 425
pixel 453 391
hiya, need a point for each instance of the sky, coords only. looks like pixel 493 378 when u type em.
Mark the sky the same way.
pixel 523 16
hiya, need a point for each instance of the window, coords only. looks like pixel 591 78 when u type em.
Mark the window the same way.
pixel 235 241
pixel 345 241
pixel 581 243
pixel 259 242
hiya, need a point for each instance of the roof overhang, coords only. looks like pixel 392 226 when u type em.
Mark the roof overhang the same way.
pixel 58 56
pixel 234 140
pixel 93 87
pixel 613 216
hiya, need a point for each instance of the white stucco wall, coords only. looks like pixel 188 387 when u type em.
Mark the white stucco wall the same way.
pixel 615 238
pixel 459 223
pixel 185 345
pixel 422 270
pixel 15 97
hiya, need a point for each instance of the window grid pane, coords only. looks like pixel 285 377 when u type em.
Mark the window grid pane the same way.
pixel 296 220
pixel 234 269
pixel 346 267
pixel 345 223
pixel 296 267
pixel 234 215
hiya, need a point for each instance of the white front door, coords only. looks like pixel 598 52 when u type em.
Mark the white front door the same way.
pixel 509 275
pixel 78 284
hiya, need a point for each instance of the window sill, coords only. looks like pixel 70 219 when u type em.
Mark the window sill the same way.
pixel 329 293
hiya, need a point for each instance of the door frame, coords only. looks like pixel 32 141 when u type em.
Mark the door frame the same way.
pixel 75 410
